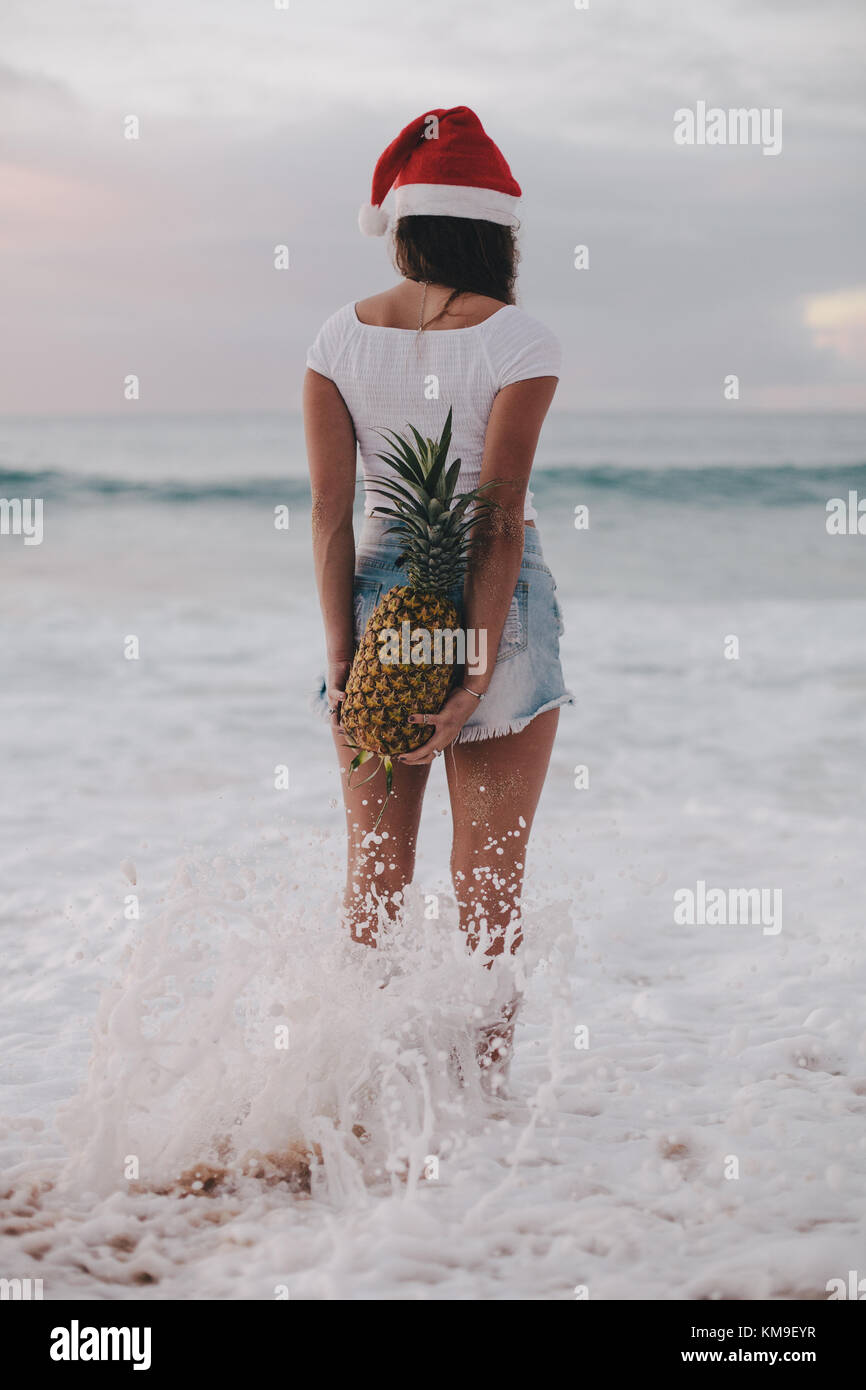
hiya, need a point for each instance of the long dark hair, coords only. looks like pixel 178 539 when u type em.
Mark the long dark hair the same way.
pixel 470 256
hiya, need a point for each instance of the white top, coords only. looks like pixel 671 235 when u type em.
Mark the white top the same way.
pixel 393 377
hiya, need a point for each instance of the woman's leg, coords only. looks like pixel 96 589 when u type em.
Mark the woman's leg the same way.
pixel 495 785
pixel 378 870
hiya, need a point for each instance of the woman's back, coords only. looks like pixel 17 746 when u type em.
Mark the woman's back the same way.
pixel 390 376
pixel 405 304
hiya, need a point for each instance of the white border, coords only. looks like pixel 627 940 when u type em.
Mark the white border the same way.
pixel 455 200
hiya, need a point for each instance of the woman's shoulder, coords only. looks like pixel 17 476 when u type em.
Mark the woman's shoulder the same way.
pixel 521 346
pixel 331 338
pixel 341 320
pixel 514 322
pixel 377 310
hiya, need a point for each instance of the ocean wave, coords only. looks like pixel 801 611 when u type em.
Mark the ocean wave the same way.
pixel 53 483
pixel 782 485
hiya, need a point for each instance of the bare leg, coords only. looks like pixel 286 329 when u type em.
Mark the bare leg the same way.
pixel 378 871
pixel 495 785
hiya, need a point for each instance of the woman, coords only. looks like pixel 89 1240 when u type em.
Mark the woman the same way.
pixel 447 334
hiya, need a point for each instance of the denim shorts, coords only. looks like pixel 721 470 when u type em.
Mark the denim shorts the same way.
pixel 527 679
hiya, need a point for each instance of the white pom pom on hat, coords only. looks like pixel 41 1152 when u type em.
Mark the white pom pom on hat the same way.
pixel 373 221
pixel 442 164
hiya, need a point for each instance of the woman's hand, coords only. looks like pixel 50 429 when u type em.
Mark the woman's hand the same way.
pixel 335 687
pixel 446 726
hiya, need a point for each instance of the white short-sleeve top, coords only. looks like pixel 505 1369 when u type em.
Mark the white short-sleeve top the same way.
pixel 393 377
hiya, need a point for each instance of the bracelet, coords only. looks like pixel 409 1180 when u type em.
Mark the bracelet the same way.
pixel 473 693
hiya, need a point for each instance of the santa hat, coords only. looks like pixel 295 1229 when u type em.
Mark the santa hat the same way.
pixel 442 164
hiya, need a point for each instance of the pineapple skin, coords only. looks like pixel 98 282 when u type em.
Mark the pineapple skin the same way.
pixel 380 696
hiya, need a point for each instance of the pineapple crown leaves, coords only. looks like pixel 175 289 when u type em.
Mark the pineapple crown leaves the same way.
pixel 433 526
pixel 416 516
pixel 426 489
pixel 424 465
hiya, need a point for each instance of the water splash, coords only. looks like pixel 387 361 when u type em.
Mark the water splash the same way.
pixel 248 1034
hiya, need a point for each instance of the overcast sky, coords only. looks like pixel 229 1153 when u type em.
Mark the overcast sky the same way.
pixel 261 126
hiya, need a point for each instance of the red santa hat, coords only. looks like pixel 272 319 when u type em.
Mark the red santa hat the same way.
pixel 444 164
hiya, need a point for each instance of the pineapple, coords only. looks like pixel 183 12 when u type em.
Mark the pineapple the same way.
pixel 435 531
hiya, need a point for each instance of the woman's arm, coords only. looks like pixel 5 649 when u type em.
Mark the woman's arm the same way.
pixel 497 550
pixel 331 452
pixel 497 542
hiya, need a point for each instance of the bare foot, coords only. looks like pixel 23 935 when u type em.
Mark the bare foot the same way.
pixel 495 1044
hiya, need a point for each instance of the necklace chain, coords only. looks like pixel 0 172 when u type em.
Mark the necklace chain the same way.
pixel 423 302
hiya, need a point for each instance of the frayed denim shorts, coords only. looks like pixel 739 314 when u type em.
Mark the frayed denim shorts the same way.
pixel 527 679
